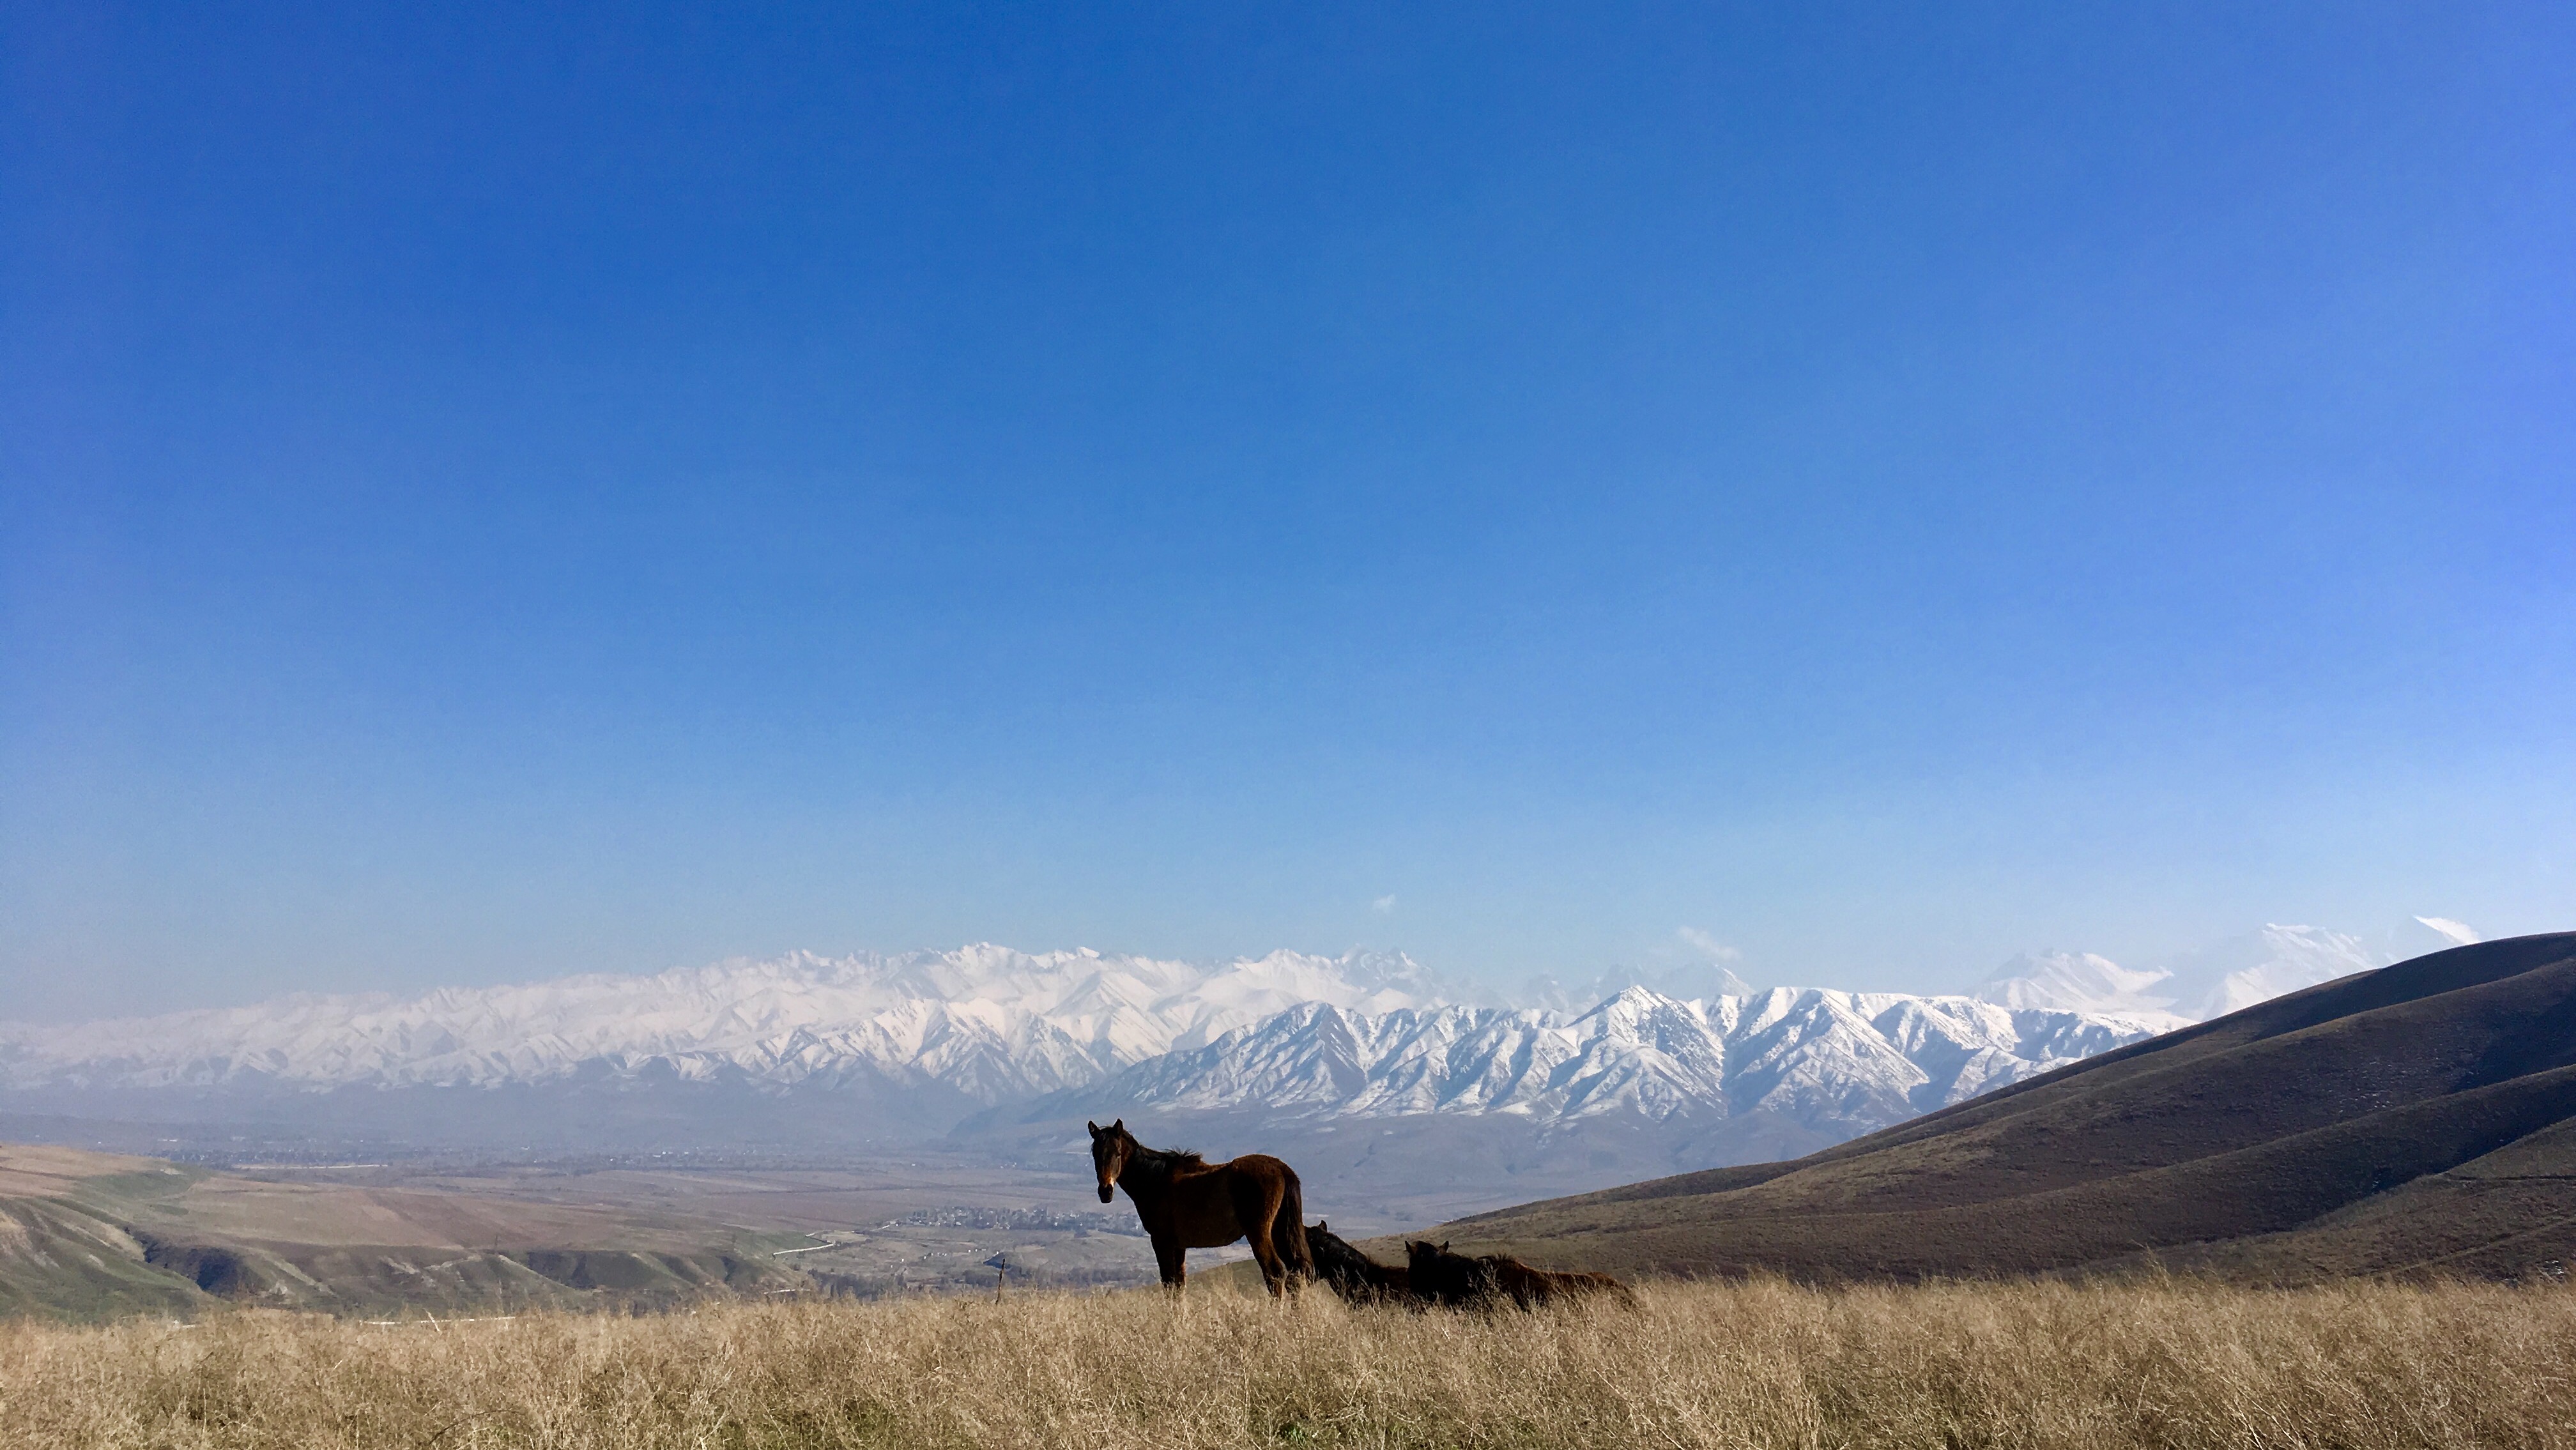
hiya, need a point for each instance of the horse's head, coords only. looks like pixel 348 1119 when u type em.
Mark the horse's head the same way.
pixel 1432 1267
pixel 1111 1147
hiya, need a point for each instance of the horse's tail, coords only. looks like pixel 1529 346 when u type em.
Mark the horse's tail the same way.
pixel 1288 1230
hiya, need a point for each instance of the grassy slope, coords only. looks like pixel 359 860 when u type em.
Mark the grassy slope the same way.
pixel 64 1247
pixel 2413 1119
pixel 86 1235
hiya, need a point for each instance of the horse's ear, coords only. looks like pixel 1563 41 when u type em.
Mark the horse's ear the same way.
pixel 1321 1225
pixel 1121 1123
pixel 1094 1127
pixel 1444 1246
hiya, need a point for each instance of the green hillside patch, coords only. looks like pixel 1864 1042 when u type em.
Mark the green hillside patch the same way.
pixel 58 1261
pixel 92 1236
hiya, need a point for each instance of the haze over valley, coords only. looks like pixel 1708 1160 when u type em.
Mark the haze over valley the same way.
pixel 947 1089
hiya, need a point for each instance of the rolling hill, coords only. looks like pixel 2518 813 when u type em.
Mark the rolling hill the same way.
pixel 2416 1119
pixel 90 1235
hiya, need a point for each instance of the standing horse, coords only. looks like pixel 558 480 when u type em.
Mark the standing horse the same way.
pixel 1189 1203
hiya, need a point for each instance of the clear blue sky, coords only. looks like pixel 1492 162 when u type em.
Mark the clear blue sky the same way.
pixel 487 492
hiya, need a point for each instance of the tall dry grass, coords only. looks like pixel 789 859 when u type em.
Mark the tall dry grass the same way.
pixel 1743 1365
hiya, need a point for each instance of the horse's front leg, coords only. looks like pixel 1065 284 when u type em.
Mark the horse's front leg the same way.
pixel 1173 1259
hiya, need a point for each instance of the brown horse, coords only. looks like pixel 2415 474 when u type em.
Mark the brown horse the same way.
pixel 1189 1203
pixel 1354 1275
pixel 1446 1278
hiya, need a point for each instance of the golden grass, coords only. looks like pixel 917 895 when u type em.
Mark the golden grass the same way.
pixel 1762 1364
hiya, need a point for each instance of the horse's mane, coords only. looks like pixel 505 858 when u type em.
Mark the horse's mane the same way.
pixel 1164 1159
pixel 1329 1245
pixel 1354 1275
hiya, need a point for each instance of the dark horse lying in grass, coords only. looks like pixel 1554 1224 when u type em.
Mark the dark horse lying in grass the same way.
pixel 1354 1275
pixel 1189 1203
pixel 1446 1278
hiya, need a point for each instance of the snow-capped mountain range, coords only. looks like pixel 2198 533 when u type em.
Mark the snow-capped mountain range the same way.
pixel 990 1023
pixel 930 1038
pixel 1849 1060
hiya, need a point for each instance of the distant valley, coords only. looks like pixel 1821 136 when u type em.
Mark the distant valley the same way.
pixel 89 1235
pixel 870 1123
pixel 813 1053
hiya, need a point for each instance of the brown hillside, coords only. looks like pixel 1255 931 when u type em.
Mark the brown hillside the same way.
pixel 2416 1119
pixel 91 1235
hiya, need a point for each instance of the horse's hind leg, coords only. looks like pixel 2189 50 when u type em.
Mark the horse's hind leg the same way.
pixel 1258 1214
pixel 1296 1261
pixel 1274 1270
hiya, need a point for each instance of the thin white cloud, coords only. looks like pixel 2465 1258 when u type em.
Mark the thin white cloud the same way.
pixel 1707 945
pixel 1384 905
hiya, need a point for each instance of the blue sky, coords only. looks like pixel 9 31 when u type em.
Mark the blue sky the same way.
pixel 485 494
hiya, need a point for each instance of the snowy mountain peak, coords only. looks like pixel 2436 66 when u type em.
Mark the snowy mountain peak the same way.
pixel 2457 933
pixel 2082 982
pixel 986 1020
pixel 1835 1063
pixel 930 1035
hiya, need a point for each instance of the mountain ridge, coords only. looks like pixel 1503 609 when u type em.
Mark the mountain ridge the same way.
pixel 2419 1118
pixel 985 1038
pixel 1842 1061
pixel 985 1020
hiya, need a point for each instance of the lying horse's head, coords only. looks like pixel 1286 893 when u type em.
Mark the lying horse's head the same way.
pixel 1354 1274
pixel 1111 1147
pixel 1444 1277
pixel 1331 1252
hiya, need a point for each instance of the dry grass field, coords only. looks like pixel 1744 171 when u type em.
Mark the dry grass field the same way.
pixel 1761 1364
